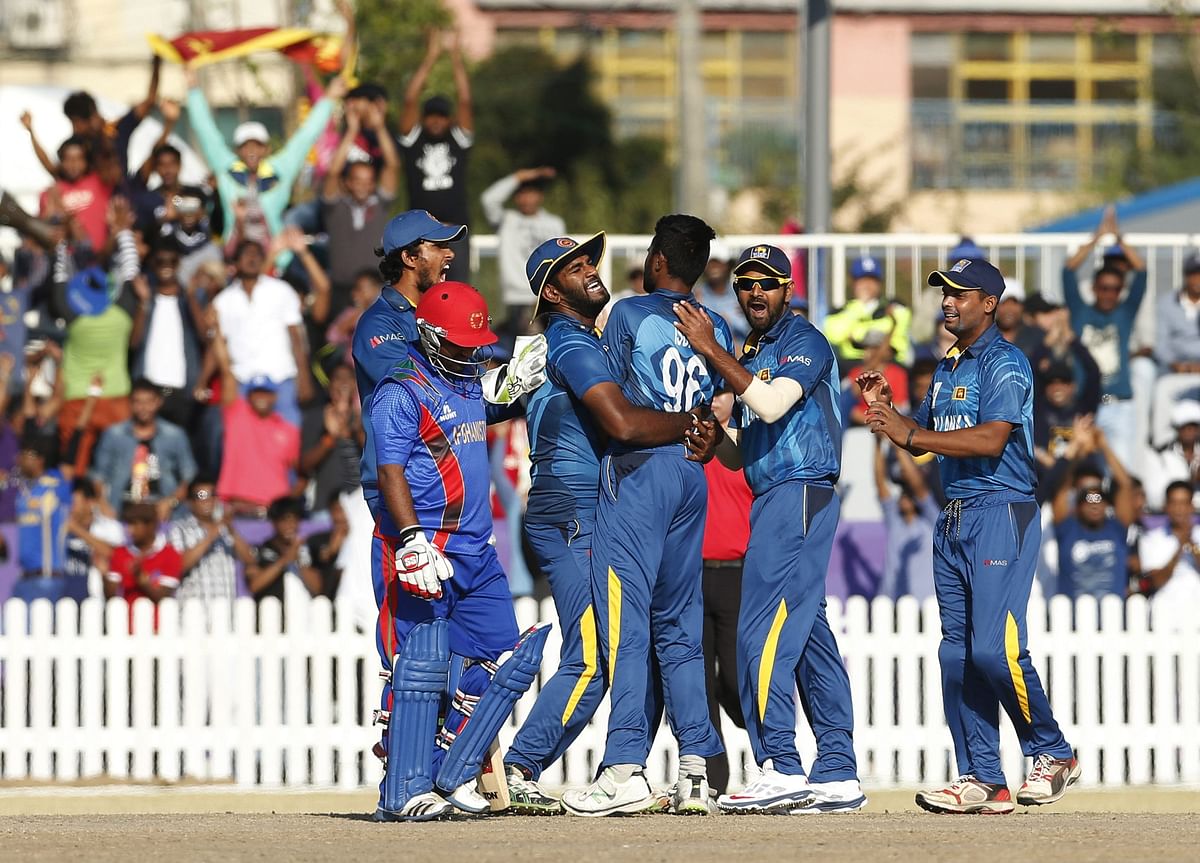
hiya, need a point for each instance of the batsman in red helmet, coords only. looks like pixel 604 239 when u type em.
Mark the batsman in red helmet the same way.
pixel 445 611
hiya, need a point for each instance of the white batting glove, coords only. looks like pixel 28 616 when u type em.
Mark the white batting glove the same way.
pixel 420 566
pixel 524 374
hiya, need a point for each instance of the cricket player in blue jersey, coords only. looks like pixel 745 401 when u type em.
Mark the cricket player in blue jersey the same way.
pixel 646 557
pixel 416 255
pixel 446 614
pixel 978 419
pixel 571 419
pixel 786 430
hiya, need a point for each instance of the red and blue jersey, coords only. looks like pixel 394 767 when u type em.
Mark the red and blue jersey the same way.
pixel 989 381
pixel 438 434
pixel 805 443
pixel 566 445
pixel 652 362
pixel 381 341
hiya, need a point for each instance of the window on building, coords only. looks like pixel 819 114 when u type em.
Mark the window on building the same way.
pixel 1018 110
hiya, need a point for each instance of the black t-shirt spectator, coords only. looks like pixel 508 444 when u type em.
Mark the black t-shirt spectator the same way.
pixel 324 561
pixel 270 552
pixel 436 173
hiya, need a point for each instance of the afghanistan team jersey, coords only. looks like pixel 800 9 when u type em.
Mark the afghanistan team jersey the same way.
pixel 566 444
pixel 804 444
pixel 381 341
pixel 990 381
pixel 438 434
pixel 652 362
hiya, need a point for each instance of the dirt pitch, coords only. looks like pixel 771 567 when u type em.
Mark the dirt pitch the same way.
pixel 214 825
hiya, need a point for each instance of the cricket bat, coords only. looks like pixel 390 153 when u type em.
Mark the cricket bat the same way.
pixel 493 783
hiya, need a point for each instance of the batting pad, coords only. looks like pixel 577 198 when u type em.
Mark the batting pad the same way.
pixel 511 681
pixel 419 676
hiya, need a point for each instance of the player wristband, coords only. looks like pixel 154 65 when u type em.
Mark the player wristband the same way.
pixel 908 441
pixel 408 533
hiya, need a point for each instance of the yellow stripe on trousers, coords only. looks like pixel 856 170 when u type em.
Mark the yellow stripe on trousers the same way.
pixel 767 663
pixel 614 621
pixel 587 632
pixel 1012 651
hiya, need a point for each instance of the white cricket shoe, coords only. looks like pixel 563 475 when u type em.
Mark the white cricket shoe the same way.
pixel 423 807
pixel 467 799
pixel 772 792
pixel 691 796
pixel 609 796
pixel 842 796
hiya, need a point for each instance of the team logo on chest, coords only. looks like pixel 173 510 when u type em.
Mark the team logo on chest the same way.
pixel 764 375
pixel 960 394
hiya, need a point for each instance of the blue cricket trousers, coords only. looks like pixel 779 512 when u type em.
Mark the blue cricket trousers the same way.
pixel 569 699
pixel 984 555
pixel 784 639
pixel 646 579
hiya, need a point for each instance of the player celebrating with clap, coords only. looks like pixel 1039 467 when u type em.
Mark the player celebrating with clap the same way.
pixel 786 429
pixel 978 419
pixel 571 419
pixel 646 564
pixel 445 611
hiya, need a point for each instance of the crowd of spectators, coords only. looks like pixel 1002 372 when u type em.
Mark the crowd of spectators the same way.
pixel 177 357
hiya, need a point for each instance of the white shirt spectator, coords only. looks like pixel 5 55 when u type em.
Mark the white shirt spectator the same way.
pixel 1180 596
pixel 166 364
pixel 518 235
pixel 215 575
pixel 255 327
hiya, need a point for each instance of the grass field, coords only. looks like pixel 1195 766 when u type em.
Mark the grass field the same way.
pixel 44 823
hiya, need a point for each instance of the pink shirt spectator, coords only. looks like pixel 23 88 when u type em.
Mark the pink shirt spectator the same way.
pixel 87 200
pixel 258 454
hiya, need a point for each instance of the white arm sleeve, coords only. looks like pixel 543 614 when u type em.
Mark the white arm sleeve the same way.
pixel 772 400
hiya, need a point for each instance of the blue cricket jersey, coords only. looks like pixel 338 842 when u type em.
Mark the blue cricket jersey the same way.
pixel 806 442
pixel 990 381
pixel 381 341
pixel 43 506
pixel 652 362
pixel 566 443
pixel 438 434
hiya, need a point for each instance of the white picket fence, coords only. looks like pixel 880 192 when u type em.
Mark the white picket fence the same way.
pixel 216 695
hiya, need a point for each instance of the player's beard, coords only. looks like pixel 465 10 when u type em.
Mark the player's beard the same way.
pixel 589 304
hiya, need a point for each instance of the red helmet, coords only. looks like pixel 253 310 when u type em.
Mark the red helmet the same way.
pixel 457 313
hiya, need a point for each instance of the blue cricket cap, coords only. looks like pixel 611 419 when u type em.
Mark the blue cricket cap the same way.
pixel 87 292
pixel 970 275
pixel 413 225
pixel 262 382
pixel 552 254
pixel 866 267
pixel 770 258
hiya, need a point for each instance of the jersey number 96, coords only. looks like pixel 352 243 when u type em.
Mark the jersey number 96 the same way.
pixel 681 380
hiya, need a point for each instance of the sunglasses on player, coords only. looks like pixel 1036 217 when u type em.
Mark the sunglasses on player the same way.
pixel 767 283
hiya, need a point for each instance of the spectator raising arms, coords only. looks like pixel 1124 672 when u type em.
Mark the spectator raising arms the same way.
pixel 1105 328
pixel 435 140
pixel 1091 543
pixel 354 203
pixel 519 231
pixel 250 172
